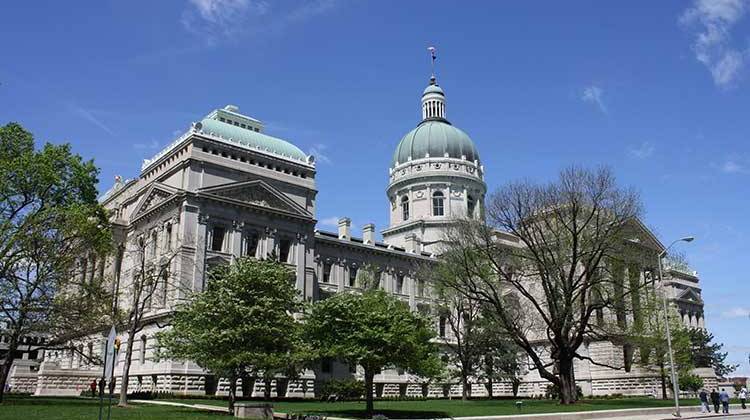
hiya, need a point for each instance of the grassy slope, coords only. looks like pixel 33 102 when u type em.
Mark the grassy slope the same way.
pixel 451 408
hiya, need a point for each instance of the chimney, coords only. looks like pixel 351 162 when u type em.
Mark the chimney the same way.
pixel 345 228
pixel 411 243
pixel 368 234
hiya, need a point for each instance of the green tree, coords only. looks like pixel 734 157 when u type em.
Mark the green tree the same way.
pixel 500 358
pixel 706 353
pixel 649 337
pixel 49 219
pixel 690 382
pixel 242 325
pixel 374 330
pixel 462 317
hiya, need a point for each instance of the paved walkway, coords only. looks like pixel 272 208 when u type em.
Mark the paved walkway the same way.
pixel 692 412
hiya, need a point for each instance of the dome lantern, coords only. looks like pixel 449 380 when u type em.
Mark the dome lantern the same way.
pixel 433 101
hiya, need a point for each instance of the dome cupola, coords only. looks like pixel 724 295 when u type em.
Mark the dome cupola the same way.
pixel 433 101
pixel 435 179
pixel 434 137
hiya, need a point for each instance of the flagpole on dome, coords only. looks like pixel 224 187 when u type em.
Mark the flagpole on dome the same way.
pixel 433 57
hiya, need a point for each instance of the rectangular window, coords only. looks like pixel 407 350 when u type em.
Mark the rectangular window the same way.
pixel 326 272
pixel 168 237
pixel 251 244
pixel 352 276
pixel 399 283
pixel 285 246
pixel 163 283
pixel 217 238
pixel 143 349
pixel 441 327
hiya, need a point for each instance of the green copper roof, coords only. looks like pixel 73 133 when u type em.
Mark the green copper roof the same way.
pixel 433 89
pixel 252 140
pixel 437 138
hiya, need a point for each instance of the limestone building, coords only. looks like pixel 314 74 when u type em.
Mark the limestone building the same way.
pixel 225 188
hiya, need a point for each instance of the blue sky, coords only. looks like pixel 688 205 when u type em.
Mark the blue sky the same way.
pixel 656 90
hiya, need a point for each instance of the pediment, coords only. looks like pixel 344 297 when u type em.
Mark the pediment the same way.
pixel 156 194
pixel 645 236
pixel 256 193
pixel 691 295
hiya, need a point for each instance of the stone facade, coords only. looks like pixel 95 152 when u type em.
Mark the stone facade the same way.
pixel 225 189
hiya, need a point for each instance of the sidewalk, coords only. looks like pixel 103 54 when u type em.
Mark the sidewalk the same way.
pixel 690 412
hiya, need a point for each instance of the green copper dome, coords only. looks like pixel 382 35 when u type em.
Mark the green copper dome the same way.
pixel 252 140
pixel 433 89
pixel 438 139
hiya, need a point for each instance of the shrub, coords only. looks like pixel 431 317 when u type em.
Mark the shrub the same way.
pixel 148 395
pixel 553 392
pixel 347 389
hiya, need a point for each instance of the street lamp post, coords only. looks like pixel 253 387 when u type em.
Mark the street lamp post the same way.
pixel 675 385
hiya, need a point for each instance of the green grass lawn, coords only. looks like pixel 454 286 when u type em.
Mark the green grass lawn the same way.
pixel 43 408
pixel 450 408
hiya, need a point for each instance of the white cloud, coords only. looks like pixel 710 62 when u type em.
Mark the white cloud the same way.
pixel 645 150
pixel 89 116
pixel 593 95
pixel 736 313
pixel 318 150
pixel 732 167
pixel 216 20
pixel 332 223
pixel 713 21
pixel 152 145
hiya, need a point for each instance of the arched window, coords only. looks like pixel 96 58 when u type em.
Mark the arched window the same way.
pixel 438 208
pixel 405 207
pixel 470 206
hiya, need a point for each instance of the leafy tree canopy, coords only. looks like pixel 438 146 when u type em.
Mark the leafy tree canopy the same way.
pixel 374 330
pixel 243 322
pixel 706 353
pixel 49 220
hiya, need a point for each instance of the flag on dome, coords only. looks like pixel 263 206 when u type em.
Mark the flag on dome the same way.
pixel 432 52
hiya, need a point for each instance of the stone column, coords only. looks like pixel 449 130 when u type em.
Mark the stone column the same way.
pixel 235 238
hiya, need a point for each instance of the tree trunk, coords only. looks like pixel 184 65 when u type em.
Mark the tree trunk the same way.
pixel 248 383
pixel 267 387
pixel 568 394
pixel 126 367
pixel 369 375
pixel 7 364
pixel 232 392
pixel 488 385
pixel 663 381
pixel 464 386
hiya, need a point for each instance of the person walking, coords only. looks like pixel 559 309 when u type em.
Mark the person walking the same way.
pixel 703 395
pixel 715 400
pixel 92 385
pixel 743 397
pixel 724 397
